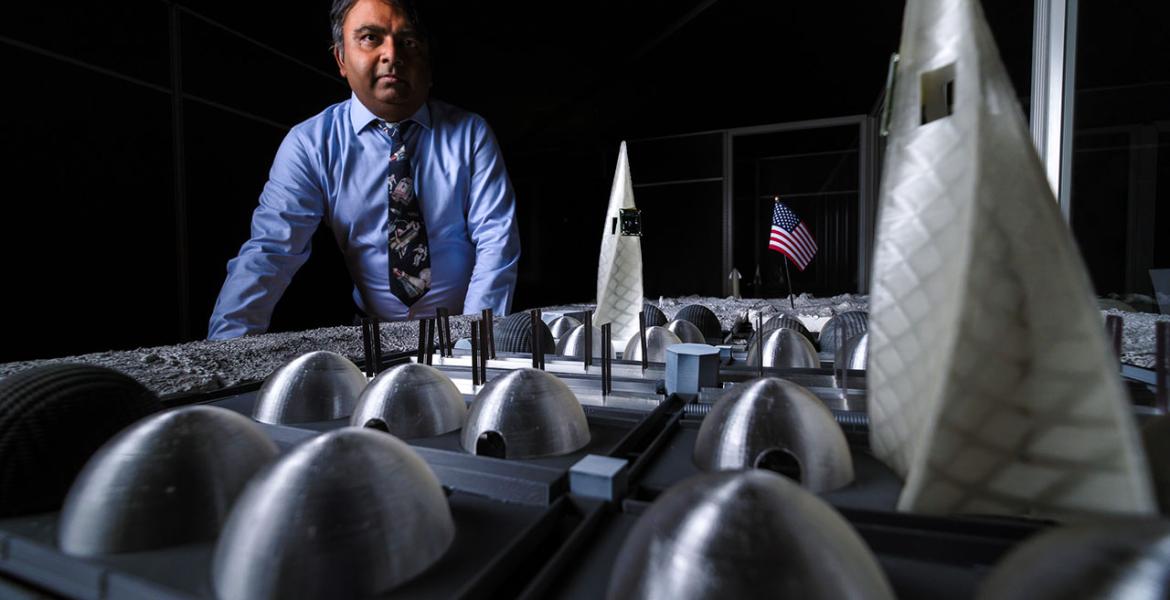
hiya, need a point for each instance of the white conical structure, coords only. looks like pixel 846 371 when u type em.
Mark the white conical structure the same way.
pixel 991 385
pixel 619 270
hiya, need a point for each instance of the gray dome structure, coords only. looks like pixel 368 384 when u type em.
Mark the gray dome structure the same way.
pixel 1121 558
pixel 658 339
pixel 703 318
pixel 786 349
pixel 783 321
pixel 52 420
pixel 317 386
pixel 654 315
pixel 841 328
pixel 514 334
pixel 411 401
pixel 573 344
pixel 778 425
pixel 744 535
pixel 167 480
pixel 351 513
pixel 686 331
pixel 527 413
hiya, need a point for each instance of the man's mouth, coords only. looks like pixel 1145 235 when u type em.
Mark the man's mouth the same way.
pixel 389 78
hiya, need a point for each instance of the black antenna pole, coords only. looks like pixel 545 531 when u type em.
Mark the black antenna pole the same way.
pixel 788 278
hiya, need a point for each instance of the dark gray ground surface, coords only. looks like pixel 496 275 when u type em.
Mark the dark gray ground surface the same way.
pixel 1137 342
pixel 210 365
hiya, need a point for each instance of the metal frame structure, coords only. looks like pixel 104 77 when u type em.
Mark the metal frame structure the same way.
pixel 866 195
pixel 867 178
pixel 176 14
pixel 1054 48
pixel 1054 67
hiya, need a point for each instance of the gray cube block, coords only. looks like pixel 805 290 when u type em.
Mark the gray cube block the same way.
pixel 690 367
pixel 600 477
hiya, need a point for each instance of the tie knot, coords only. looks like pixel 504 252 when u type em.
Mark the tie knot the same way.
pixel 394 130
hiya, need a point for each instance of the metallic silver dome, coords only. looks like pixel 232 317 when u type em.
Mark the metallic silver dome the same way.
pixel 784 320
pixel 514 334
pixel 654 315
pixel 573 344
pixel 562 326
pixel 787 321
pixel 167 480
pixel 348 514
pixel 54 418
pixel 785 348
pixel 411 401
pixel 1120 558
pixel 527 413
pixel 743 535
pixel 777 425
pixel 841 328
pixel 658 339
pixel 686 331
pixel 318 386
pixel 853 353
pixel 703 318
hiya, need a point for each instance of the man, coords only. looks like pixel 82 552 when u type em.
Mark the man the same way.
pixel 414 190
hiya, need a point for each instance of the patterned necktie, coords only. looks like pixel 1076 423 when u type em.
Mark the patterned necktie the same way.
pixel 410 257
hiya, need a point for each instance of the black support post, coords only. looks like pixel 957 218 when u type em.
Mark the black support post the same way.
pixel 487 330
pixel 1114 327
pixel 475 353
pixel 1162 364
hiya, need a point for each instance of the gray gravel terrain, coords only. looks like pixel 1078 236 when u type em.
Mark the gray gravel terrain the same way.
pixel 729 310
pixel 210 365
pixel 1137 341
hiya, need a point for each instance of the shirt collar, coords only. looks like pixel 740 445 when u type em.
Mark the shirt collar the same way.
pixel 361 117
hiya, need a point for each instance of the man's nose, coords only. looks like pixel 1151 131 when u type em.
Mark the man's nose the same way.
pixel 391 53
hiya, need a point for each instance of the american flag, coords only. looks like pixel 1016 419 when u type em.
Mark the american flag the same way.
pixel 791 237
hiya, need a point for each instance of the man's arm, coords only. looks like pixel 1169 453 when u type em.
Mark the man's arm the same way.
pixel 291 207
pixel 491 223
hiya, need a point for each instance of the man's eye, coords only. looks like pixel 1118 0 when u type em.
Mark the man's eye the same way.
pixel 410 43
pixel 369 37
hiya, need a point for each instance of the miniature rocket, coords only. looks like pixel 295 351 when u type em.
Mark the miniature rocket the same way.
pixel 619 269
pixel 992 388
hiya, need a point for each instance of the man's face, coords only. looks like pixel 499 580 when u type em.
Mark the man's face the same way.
pixel 384 60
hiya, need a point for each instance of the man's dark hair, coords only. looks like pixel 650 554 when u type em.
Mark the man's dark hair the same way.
pixel 341 8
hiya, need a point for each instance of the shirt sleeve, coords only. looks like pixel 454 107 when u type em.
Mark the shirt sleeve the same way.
pixel 491 224
pixel 291 206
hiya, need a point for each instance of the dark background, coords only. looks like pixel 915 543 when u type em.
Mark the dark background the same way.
pixel 136 136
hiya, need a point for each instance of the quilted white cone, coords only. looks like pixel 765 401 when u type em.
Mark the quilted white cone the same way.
pixel 619 271
pixel 991 385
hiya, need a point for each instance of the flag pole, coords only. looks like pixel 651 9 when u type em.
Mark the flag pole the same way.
pixel 788 278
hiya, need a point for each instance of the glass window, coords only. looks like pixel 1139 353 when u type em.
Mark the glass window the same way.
pixel 1121 139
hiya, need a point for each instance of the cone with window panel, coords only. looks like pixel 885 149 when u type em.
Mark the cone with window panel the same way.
pixel 619 271
pixel 991 386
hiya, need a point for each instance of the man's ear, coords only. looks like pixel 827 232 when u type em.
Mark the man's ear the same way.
pixel 339 56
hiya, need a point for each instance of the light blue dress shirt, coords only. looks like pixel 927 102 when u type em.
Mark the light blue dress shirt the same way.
pixel 333 167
